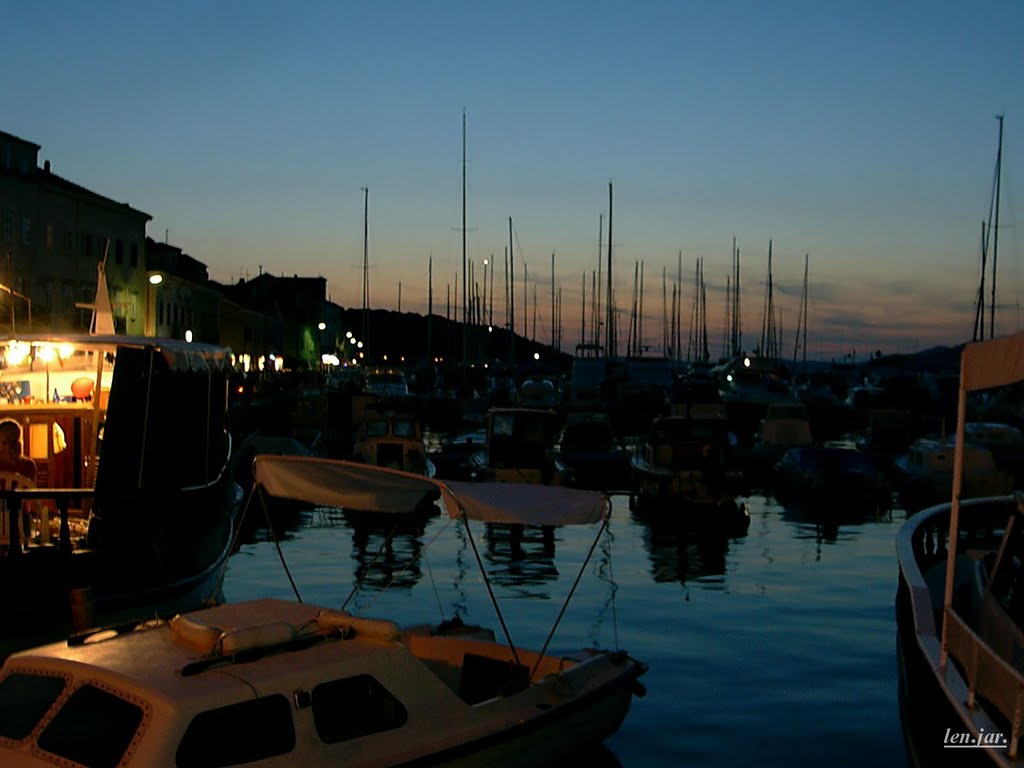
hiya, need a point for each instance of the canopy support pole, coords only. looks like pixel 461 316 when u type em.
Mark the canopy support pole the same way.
pixel 568 597
pixel 487 583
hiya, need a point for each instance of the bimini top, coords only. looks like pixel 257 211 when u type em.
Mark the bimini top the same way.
pixel 180 355
pixel 993 363
pixel 367 488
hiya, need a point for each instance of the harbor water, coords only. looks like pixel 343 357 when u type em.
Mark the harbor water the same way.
pixel 777 646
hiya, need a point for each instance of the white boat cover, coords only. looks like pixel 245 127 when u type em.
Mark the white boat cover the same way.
pixel 368 488
pixel 180 355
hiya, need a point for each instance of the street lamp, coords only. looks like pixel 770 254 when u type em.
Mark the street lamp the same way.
pixel 149 322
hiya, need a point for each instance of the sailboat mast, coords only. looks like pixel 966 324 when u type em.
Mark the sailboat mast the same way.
pixel 611 350
pixel 583 311
pixel 801 319
pixel 510 277
pixel 705 353
pixel 554 338
pixel 979 309
pixel 465 316
pixel 631 341
pixel 994 230
pixel 366 267
pixel 597 281
pixel 664 314
pixel 430 309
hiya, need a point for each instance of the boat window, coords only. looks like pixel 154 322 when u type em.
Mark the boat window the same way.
pixel 24 699
pixel 503 424
pixel 376 428
pixel 238 733
pixel 405 428
pixel 353 707
pixel 94 728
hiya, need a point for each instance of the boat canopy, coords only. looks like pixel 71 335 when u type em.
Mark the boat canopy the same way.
pixel 180 355
pixel 993 363
pixel 367 488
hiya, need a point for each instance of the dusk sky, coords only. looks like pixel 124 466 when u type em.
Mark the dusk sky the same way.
pixel 860 133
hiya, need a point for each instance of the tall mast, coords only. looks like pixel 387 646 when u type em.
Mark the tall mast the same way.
pixel 801 320
pixel 979 308
pixel 558 346
pixel 465 315
pixel 994 230
pixel 366 268
pixel 511 277
pixel 664 315
pixel 553 337
pixel 583 312
pixel 768 335
pixel 526 300
pixel 631 342
pixel 430 309
pixel 610 330
pixel 597 293
pixel 640 317
pixel 705 353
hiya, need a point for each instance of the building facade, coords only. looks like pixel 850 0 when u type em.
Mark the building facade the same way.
pixel 53 235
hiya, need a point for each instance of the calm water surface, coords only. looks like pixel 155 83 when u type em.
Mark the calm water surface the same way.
pixel 776 647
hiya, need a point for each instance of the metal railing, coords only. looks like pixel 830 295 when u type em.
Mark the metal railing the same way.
pixel 988 676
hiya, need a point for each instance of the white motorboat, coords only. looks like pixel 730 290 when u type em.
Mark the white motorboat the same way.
pixel 276 682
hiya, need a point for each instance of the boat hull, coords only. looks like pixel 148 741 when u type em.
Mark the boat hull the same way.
pixel 932 701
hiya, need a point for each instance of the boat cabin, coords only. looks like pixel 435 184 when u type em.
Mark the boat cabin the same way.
pixel 520 445
pixel 129 444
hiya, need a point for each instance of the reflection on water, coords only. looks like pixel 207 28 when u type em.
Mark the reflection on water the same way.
pixel 521 558
pixel 760 631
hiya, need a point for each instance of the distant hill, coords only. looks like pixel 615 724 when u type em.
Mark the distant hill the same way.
pixel 932 360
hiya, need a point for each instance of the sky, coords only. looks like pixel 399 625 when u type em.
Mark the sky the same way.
pixel 859 134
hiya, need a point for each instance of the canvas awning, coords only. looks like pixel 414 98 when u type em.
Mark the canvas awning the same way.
pixel 993 363
pixel 368 488
pixel 180 355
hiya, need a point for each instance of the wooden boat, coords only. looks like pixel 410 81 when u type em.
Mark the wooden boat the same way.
pixel 784 426
pixel 274 682
pixel 594 453
pixel 834 476
pixel 134 507
pixel 391 439
pixel 685 467
pixel 521 448
pixel 959 611
pixel 452 459
pixel 925 472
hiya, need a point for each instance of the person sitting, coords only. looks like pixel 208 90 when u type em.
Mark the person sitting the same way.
pixel 11 457
pixel 16 471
